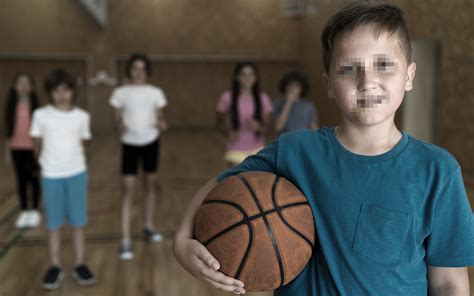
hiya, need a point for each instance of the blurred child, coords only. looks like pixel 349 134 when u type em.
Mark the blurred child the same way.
pixel 21 101
pixel 140 121
pixel 59 131
pixel 293 111
pixel 244 113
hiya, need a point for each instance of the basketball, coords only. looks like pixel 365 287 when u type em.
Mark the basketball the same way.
pixel 259 227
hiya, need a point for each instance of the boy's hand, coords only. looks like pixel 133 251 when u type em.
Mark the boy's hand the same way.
pixel 197 260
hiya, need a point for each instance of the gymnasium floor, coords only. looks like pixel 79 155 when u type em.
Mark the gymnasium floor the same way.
pixel 189 159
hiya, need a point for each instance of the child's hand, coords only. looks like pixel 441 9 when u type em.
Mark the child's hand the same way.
pixel 197 260
pixel 7 158
pixel 232 135
pixel 255 125
pixel 162 126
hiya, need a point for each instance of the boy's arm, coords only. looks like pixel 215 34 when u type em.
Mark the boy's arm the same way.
pixel 36 146
pixel 313 125
pixel 282 118
pixel 444 281
pixel 193 256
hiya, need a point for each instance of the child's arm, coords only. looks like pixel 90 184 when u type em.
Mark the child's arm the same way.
pixel 36 147
pixel 118 123
pixel 6 154
pixel 161 122
pixel 282 118
pixel 313 125
pixel 193 256
pixel 444 281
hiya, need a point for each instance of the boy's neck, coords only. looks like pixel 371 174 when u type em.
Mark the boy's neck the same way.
pixel 368 140
pixel 139 82
pixel 61 107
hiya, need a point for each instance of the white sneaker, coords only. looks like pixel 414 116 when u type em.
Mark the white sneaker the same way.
pixel 34 218
pixel 125 251
pixel 22 221
pixel 152 236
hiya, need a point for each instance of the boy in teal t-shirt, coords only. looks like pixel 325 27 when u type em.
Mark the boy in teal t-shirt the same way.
pixel 391 213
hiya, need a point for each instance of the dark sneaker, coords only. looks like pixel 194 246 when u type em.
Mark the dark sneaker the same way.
pixel 83 275
pixel 152 236
pixel 52 278
pixel 125 251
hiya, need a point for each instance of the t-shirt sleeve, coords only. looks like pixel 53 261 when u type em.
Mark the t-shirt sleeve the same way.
pixel 116 100
pixel 451 241
pixel 35 129
pixel 160 100
pixel 223 105
pixel 85 130
pixel 265 160
pixel 266 104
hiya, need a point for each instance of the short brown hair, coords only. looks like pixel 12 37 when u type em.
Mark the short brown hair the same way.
pixel 385 17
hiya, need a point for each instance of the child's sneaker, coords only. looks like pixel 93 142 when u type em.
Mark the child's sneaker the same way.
pixel 125 251
pixel 83 275
pixel 52 278
pixel 152 236
pixel 33 218
pixel 22 221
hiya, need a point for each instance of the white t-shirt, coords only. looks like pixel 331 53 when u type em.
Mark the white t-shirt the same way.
pixel 138 104
pixel 61 133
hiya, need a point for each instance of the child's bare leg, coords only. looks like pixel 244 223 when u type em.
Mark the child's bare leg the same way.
pixel 151 188
pixel 78 244
pixel 54 245
pixel 129 187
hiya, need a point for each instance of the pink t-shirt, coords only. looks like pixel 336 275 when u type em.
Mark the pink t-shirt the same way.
pixel 246 139
pixel 21 133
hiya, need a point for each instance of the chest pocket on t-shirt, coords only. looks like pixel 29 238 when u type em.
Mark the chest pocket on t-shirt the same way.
pixel 380 233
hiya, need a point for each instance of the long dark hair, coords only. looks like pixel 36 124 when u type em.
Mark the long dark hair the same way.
pixel 236 92
pixel 12 101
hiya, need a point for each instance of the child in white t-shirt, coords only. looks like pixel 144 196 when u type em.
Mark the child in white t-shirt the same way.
pixel 59 130
pixel 139 121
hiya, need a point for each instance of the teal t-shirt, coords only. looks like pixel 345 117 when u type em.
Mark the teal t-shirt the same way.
pixel 380 220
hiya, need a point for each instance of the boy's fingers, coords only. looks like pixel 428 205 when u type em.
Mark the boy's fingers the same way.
pixel 221 278
pixel 208 259
pixel 223 287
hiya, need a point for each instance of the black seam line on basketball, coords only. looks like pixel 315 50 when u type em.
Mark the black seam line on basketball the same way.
pixel 279 211
pixel 269 228
pixel 246 219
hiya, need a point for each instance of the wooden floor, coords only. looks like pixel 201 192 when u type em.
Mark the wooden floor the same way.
pixel 189 159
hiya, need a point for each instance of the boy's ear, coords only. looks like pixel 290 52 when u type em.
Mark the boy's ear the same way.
pixel 410 76
pixel 329 90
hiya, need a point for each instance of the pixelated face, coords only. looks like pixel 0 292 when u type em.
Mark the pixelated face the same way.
pixel 62 95
pixel 247 77
pixel 368 75
pixel 23 85
pixel 138 72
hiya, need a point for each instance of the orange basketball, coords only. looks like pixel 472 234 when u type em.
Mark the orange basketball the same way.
pixel 259 227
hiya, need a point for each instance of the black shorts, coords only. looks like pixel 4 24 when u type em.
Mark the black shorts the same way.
pixel 148 155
